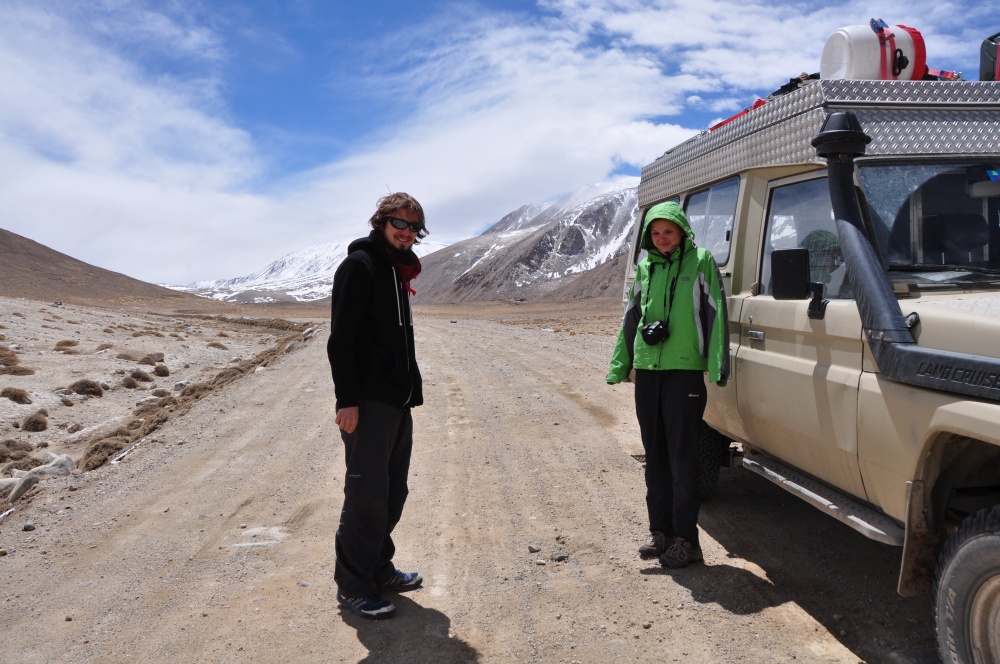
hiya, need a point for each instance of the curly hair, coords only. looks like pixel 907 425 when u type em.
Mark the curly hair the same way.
pixel 391 203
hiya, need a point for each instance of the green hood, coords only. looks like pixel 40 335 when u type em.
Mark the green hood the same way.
pixel 671 212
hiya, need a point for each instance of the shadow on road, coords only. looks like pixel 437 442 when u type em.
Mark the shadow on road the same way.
pixel 415 634
pixel 845 581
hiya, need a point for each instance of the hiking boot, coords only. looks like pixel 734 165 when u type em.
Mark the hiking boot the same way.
pixel 401 581
pixel 681 554
pixel 372 607
pixel 655 547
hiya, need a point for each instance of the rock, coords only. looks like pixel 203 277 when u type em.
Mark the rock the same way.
pixel 58 466
pixel 534 548
pixel 292 346
pixel 105 386
pixel 180 385
pixel 73 428
pixel 3 552
pixel 28 526
pixel 539 562
pixel 559 557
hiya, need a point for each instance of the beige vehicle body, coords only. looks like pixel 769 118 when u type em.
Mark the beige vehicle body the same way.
pixel 902 463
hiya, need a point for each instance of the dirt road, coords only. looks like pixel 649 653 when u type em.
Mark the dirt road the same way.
pixel 216 544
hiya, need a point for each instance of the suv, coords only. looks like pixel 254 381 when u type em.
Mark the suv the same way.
pixel 855 224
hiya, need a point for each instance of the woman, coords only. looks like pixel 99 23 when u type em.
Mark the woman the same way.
pixel 674 330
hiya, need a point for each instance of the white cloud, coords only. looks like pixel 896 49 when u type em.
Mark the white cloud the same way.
pixel 120 159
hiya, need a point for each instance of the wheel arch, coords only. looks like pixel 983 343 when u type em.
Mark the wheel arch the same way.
pixel 957 476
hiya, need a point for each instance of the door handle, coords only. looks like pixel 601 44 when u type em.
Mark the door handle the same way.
pixel 756 335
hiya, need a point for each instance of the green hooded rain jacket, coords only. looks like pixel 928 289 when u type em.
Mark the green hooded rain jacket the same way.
pixel 698 322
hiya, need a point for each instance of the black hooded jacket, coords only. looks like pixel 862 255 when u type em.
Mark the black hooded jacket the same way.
pixel 371 331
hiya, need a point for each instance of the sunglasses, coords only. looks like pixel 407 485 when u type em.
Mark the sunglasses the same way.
pixel 403 223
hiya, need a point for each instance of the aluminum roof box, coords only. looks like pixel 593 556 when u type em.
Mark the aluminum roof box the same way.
pixel 902 117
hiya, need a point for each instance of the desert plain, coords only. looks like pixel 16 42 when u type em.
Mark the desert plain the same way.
pixel 206 535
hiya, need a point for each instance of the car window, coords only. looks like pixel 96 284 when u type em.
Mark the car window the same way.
pixel 712 213
pixel 800 216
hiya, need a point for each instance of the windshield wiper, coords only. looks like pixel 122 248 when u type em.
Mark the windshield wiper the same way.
pixel 948 267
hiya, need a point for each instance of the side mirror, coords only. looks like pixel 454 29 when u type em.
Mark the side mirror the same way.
pixel 790 274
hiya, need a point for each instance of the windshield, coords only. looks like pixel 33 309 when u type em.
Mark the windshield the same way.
pixel 936 222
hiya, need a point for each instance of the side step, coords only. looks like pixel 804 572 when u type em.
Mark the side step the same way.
pixel 873 525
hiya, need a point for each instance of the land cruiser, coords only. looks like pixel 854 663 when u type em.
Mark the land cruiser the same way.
pixel 856 224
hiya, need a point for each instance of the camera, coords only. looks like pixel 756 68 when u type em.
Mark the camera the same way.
pixel 655 333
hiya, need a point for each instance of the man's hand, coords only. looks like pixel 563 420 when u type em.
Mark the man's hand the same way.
pixel 347 419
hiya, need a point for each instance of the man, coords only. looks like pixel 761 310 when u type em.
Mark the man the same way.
pixel 377 382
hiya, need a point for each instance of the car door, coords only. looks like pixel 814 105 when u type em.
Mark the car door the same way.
pixel 798 376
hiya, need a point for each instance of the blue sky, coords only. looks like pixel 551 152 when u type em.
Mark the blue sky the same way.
pixel 182 140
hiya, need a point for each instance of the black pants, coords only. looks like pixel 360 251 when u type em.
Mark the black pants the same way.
pixel 378 460
pixel 669 405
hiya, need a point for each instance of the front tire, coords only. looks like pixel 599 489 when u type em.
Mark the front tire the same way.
pixel 967 591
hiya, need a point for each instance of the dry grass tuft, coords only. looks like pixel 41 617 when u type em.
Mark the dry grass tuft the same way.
pixel 196 390
pixel 66 343
pixel 87 387
pixel 129 382
pixel 35 422
pixel 16 371
pixel 148 360
pixel 141 376
pixel 216 344
pixel 127 355
pixel 147 333
pixel 66 401
pixel 8 358
pixel 3 337
pixel 145 409
pixel 15 394
pixel 161 370
pixel 226 376
pixel 14 450
pixel 108 330
pixel 104 347
pixel 99 452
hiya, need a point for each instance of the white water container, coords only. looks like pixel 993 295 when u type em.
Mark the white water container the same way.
pixel 854 52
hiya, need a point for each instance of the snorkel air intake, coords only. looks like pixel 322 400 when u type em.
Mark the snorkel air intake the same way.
pixel 899 358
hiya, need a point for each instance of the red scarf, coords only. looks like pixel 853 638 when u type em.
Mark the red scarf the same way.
pixel 406 263
pixel 407 272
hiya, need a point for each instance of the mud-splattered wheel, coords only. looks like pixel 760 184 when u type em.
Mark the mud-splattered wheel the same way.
pixel 967 591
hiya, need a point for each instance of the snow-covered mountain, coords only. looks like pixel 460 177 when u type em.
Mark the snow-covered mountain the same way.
pixel 303 275
pixel 533 250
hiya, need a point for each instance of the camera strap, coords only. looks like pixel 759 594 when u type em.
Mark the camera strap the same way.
pixel 668 296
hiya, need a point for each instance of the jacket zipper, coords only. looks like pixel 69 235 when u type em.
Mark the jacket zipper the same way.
pixel 400 316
